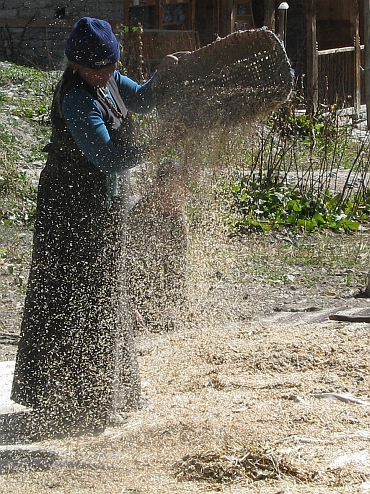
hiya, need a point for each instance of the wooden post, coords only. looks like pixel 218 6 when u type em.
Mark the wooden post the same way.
pixel 312 73
pixel 229 17
pixel 269 20
pixel 367 58
pixel 355 22
pixel 367 289
pixel 283 17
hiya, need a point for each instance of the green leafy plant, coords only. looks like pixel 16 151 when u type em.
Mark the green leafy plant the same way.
pixel 255 205
pixel 290 120
pixel 304 171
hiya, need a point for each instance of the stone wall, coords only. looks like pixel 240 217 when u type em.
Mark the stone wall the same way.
pixel 34 32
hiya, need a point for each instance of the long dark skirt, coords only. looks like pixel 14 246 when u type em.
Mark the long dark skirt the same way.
pixel 75 360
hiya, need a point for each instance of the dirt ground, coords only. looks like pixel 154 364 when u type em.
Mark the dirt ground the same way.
pixel 233 398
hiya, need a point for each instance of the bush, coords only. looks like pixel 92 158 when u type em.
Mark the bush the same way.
pixel 291 179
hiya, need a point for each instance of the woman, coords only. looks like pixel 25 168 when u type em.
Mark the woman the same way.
pixel 75 364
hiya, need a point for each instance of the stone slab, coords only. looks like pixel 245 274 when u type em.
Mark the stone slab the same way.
pixel 301 316
pixel 6 379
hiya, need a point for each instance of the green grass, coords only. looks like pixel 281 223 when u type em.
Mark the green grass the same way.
pixel 15 257
pixel 323 263
pixel 31 80
pixel 26 100
pixel 17 192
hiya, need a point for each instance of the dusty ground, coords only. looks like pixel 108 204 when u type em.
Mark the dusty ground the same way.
pixel 229 395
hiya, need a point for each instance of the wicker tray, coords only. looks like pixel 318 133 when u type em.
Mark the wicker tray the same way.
pixel 234 80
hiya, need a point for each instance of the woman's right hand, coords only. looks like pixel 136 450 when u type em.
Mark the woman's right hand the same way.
pixel 171 59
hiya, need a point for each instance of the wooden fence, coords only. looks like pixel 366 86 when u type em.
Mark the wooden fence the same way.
pixel 340 79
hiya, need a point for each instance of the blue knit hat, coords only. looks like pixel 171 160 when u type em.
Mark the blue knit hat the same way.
pixel 92 44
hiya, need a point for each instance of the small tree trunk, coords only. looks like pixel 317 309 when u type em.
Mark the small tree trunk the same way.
pixel 367 57
pixel 367 289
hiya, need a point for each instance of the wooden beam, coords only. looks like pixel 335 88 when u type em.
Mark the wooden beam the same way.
pixel 367 57
pixel 269 17
pixel 46 23
pixel 36 23
pixel 355 26
pixel 312 75
pixel 228 20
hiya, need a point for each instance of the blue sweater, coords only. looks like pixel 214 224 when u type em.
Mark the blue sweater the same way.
pixel 85 122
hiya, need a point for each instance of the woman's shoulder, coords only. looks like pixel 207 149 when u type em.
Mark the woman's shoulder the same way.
pixel 77 94
pixel 78 101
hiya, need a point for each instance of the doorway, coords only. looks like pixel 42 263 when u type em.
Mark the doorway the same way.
pixel 208 20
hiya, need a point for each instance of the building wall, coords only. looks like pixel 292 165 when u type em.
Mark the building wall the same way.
pixel 333 24
pixel 34 32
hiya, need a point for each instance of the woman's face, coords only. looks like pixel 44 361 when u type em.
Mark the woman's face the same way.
pixel 96 77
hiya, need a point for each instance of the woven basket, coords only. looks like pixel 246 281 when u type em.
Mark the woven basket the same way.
pixel 234 80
